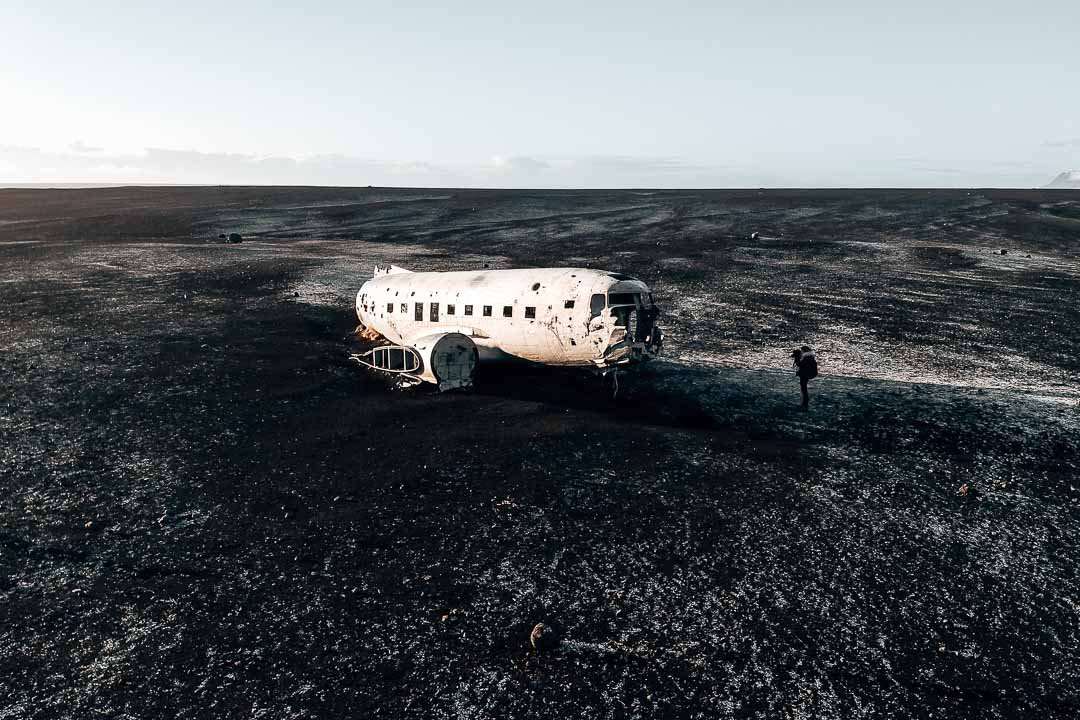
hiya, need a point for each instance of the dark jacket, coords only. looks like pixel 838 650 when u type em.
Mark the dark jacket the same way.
pixel 807 366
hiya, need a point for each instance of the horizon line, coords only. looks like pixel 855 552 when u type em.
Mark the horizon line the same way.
pixel 128 185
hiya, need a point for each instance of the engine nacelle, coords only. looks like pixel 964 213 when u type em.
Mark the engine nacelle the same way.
pixel 449 359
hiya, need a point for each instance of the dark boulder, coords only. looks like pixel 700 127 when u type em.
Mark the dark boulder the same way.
pixel 235 238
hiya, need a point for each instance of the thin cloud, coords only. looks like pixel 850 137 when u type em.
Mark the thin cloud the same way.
pixel 604 171
pixel 599 164
pixel 166 165
pixel 940 170
pixel 644 165
pixel 80 147
pixel 519 163
pixel 1070 142
pixel 23 164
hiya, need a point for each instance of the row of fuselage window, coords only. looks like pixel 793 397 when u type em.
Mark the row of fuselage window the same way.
pixel 433 310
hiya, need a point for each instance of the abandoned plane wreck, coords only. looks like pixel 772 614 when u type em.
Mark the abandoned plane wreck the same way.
pixel 439 325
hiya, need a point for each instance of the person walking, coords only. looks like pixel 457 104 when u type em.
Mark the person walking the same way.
pixel 805 363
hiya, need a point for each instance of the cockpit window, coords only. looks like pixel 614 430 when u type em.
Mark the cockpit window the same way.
pixel 615 299
pixel 596 306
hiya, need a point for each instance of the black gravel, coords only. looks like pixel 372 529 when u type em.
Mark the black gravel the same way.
pixel 208 512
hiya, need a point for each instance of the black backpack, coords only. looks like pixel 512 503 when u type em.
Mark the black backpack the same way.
pixel 808 367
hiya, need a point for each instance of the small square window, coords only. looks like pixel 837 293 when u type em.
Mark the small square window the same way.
pixel 450 309
pixel 508 311
pixel 418 312
pixel 389 307
pixel 569 304
pixel 404 307
pixel 487 311
pixel 468 309
pixel 530 312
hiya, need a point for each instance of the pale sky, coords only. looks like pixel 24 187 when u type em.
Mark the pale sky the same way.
pixel 554 94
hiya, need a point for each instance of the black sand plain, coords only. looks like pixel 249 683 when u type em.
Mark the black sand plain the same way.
pixel 207 512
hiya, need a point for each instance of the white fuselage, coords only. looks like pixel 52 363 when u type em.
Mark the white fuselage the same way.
pixel 557 316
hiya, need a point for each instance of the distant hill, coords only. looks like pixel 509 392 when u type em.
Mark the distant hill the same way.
pixel 1068 180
